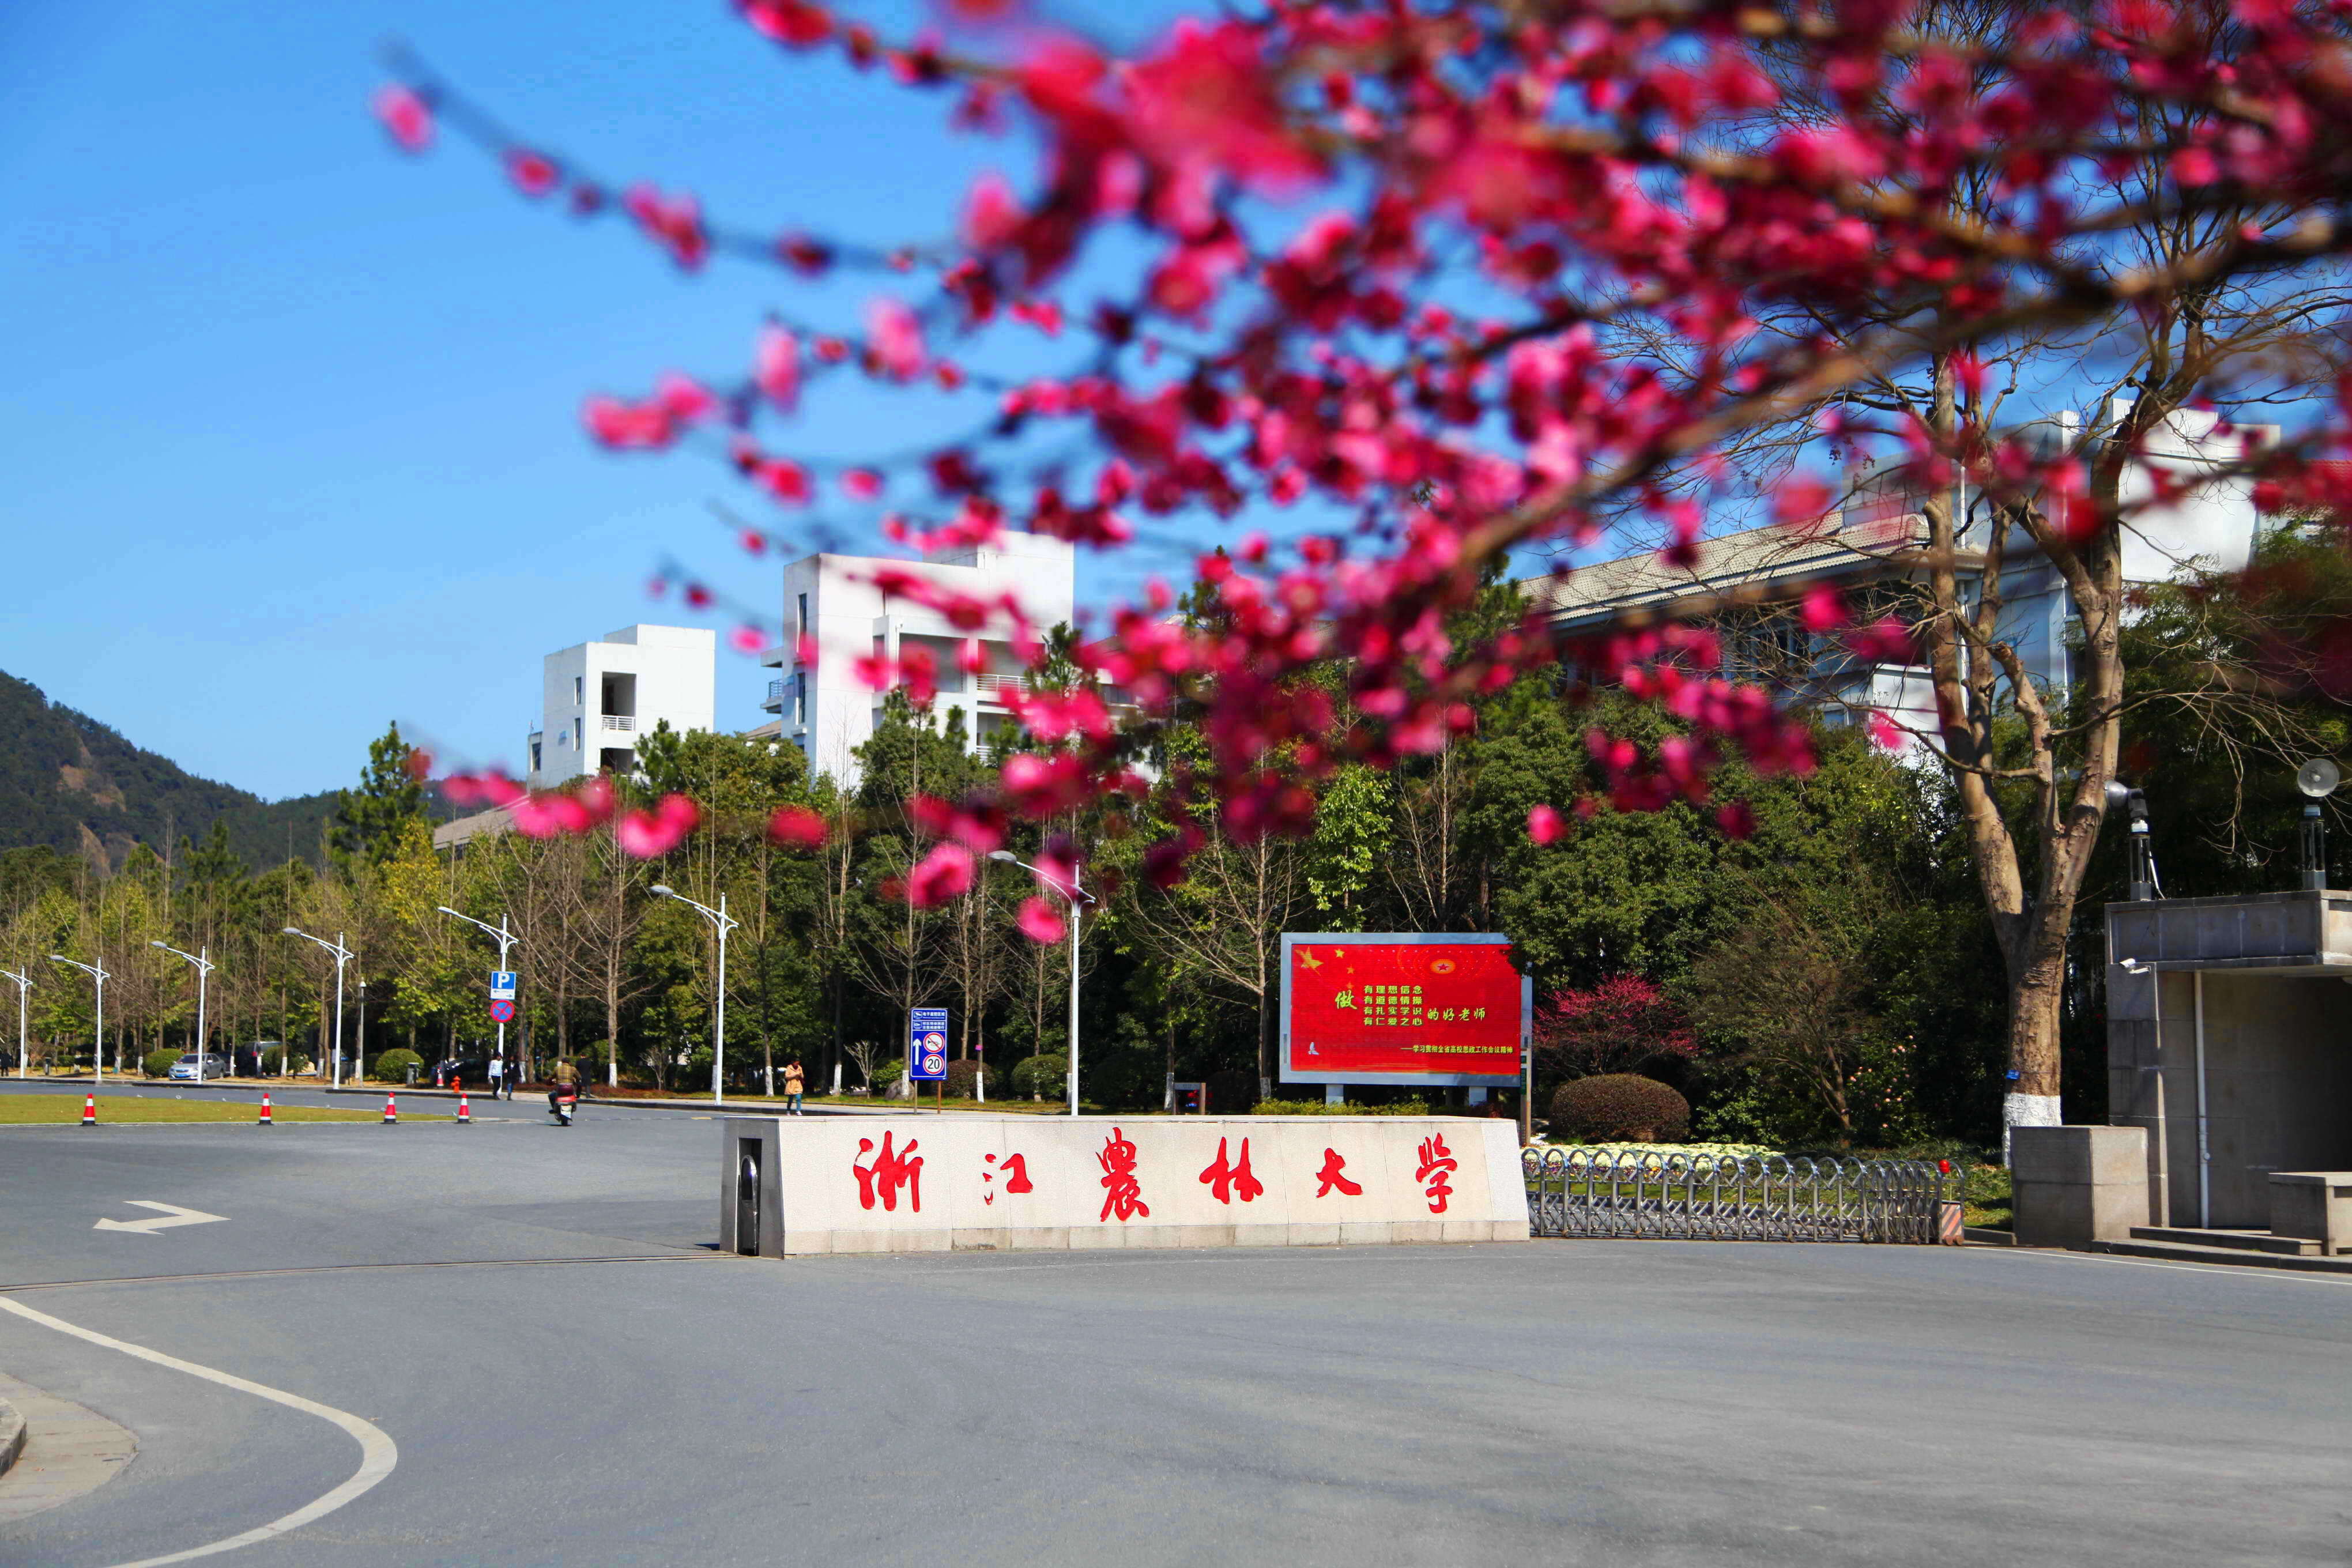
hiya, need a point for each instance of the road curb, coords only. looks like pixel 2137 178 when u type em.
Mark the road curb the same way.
pixel 12 1436
pixel 596 1102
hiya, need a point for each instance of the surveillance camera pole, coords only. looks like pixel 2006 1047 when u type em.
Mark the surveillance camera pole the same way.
pixel 205 966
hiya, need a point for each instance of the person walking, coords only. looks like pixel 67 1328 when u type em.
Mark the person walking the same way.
pixel 498 1075
pixel 795 1081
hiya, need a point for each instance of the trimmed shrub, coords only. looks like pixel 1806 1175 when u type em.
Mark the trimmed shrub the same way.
pixel 1043 1076
pixel 393 1065
pixel 1231 1091
pixel 157 1063
pixel 965 1075
pixel 1619 1108
pixel 1318 1108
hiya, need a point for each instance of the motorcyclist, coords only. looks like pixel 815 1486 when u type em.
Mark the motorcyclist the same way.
pixel 566 1086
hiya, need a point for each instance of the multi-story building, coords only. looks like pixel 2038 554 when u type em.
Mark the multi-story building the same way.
pixel 829 712
pixel 1875 551
pixel 597 698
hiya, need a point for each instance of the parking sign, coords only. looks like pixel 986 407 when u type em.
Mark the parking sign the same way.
pixel 502 985
pixel 926 1044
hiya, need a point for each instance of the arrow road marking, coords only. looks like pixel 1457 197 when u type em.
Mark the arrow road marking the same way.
pixel 173 1213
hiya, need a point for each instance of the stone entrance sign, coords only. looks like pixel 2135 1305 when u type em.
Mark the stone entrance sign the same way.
pixel 935 1183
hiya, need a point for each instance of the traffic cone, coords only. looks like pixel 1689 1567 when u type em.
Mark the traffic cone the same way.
pixel 265 1109
pixel 90 1111
pixel 390 1111
pixel 465 1116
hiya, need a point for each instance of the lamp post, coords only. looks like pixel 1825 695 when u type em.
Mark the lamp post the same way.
pixel 1074 893
pixel 204 967
pixel 505 939
pixel 24 983
pixel 343 955
pixel 98 1041
pixel 719 921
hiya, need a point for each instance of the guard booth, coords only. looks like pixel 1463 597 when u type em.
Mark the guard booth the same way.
pixel 2229 1040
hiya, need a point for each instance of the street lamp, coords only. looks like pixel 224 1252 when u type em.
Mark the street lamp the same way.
pixel 98 1043
pixel 505 939
pixel 343 955
pixel 717 918
pixel 24 983
pixel 1074 893
pixel 204 967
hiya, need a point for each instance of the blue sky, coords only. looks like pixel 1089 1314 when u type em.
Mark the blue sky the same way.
pixel 291 443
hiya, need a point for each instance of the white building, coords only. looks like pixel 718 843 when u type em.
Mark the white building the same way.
pixel 828 712
pixel 1875 546
pixel 597 698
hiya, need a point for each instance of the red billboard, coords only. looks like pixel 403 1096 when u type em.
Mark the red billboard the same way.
pixel 1401 1008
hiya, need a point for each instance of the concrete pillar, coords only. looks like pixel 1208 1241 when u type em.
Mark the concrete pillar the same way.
pixel 2075 1185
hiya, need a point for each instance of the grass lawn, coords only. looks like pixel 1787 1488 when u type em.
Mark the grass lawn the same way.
pixel 65 1110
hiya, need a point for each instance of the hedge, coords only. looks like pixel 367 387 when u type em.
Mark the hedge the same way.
pixel 1619 1107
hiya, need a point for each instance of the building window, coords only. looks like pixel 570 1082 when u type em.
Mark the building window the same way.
pixel 534 757
pixel 800 698
pixel 579 690
pixel 803 631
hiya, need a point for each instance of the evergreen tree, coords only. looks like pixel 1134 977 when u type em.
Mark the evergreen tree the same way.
pixel 368 820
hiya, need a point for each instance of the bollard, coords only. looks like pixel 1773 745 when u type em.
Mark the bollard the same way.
pixel 465 1116
pixel 265 1109
pixel 90 1111
pixel 390 1111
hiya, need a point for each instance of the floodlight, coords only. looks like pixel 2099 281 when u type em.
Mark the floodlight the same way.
pixel 2318 777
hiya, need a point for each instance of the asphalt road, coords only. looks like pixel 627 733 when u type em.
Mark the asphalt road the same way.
pixel 572 1376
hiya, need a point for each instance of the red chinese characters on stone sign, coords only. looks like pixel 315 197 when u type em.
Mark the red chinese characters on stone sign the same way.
pixel 1227 1181
pixel 890 1170
pixel 1123 1193
pixel 1015 1171
pixel 1437 1160
pixel 1333 1177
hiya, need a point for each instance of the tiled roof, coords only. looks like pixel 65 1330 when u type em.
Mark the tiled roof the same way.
pixel 1759 563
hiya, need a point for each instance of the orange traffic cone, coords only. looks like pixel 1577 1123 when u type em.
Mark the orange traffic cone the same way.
pixel 390 1111
pixel 265 1109
pixel 90 1111
pixel 465 1116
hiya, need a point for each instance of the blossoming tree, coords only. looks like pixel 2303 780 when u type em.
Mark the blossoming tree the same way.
pixel 1385 261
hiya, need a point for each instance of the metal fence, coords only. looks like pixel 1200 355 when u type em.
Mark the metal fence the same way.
pixel 1709 1197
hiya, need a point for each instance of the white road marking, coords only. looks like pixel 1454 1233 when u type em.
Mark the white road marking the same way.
pixel 378 1453
pixel 174 1215
pixel 2211 1271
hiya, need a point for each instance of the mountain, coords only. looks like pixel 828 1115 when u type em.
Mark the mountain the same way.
pixel 72 784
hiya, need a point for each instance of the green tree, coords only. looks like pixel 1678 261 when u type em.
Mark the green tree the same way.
pixel 369 819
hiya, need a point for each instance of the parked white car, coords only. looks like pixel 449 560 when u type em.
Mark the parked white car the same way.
pixel 215 1066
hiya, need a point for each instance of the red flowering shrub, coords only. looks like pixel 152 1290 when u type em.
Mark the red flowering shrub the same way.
pixel 1612 1028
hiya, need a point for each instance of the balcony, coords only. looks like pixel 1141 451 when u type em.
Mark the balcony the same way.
pixel 774 701
pixel 624 723
pixel 989 686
